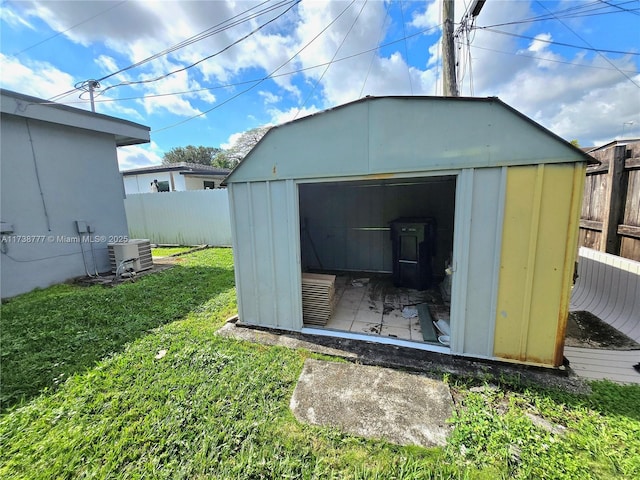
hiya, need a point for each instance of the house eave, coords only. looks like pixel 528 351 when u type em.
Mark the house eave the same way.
pixel 125 132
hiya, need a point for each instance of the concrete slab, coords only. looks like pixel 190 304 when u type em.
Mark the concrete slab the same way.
pixel 431 364
pixel 373 402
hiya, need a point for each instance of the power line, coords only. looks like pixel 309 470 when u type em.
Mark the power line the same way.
pixel 260 80
pixel 590 46
pixel 245 82
pixel 70 28
pixel 634 11
pixel 584 10
pixel 517 54
pixel 373 57
pixel 553 42
pixel 406 50
pixel 353 24
pixel 182 69
pixel 270 75
pixel 218 28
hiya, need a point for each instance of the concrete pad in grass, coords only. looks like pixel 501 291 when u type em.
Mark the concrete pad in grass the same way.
pixel 373 402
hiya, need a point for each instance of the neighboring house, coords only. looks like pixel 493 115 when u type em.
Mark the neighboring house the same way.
pixel 319 193
pixel 610 218
pixel 177 177
pixel 62 194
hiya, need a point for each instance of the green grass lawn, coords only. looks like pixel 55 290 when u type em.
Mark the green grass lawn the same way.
pixel 86 393
pixel 166 251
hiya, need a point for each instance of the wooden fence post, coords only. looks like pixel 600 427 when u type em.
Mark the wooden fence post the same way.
pixel 613 202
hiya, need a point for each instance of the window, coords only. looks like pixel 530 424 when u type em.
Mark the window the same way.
pixel 208 185
pixel 163 186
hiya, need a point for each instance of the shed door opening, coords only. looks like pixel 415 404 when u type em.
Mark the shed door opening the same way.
pixel 389 244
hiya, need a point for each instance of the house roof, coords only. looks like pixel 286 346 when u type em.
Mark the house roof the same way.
pixel 183 168
pixel 624 141
pixel 384 136
pixel 124 131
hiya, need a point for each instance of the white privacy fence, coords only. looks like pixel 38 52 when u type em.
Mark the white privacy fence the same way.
pixel 195 217
pixel 609 287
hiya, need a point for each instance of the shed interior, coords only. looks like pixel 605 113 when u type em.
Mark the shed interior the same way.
pixel 345 230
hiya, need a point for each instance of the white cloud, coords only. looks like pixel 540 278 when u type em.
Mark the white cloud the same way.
pixel 40 79
pixel 11 18
pixel 282 116
pixel 430 17
pixel 561 97
pixel 137 156
pixel 269 97
pixel 540 42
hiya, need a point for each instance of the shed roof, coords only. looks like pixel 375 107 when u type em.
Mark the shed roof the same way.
pixel 613 143
pixel 387 135
pixel 124 131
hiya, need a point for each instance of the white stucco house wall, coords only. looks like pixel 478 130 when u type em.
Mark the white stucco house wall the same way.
pixel 178 177
pixel 62 194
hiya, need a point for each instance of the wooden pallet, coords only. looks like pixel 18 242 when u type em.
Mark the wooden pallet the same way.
pixel 318 298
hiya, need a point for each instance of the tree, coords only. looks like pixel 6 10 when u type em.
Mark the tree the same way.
pixel 246 141
pixel 191 154
pixel 575 143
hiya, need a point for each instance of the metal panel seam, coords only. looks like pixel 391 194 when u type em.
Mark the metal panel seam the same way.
pixel 293 215
pixel 235 249
pixel 252 239
pixel 274 280
pixel 531 260
pixel 461 246
pixel 496 259
pixel 571 248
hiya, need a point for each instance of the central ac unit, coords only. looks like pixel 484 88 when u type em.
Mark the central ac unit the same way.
pixel 138 250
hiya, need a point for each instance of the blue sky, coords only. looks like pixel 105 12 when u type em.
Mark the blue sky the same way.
pixel 235 65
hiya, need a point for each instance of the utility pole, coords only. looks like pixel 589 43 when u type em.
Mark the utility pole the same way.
pixel 93 84
pixel 448 53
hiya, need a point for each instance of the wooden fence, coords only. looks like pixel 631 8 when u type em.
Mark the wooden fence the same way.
pixel 610 219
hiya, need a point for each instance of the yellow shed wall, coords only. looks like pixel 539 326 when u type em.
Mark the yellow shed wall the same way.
pixel 539 245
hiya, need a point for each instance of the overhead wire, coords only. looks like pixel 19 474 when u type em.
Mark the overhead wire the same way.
pixel 373 57
pixel 575 64
pixel 70 28
pixel 245 82
pixel 599 52
pixel 406 49
pixel 332 59
pixel 274 74
pixel 583 10
pixel 208 57
pixel 215 29
pixel 562 44
pixel 617 6
pixel 260 81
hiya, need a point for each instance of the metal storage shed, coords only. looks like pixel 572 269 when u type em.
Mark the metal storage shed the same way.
pixel 505 193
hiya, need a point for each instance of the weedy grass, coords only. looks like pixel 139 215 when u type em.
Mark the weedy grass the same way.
pixel 150 392
pixel 166 251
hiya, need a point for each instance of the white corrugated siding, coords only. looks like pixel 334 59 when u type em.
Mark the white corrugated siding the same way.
pixel 477 238
pixel 198 217
pixel 267 253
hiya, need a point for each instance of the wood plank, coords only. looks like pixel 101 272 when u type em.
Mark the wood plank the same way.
pixel 632 164
pixel 318 298
pixel 318 278
pixel 629 231
pixel 614 204
pixel 591 224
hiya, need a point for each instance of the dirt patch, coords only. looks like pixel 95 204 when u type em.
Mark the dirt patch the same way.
pixel 586 330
